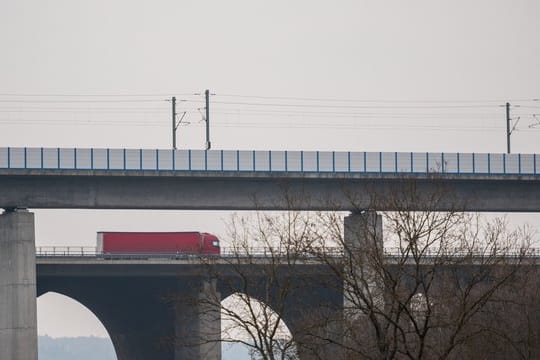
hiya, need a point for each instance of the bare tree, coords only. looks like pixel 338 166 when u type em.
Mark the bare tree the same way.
pixel 426 284
pixel 264 268
pixel 432 288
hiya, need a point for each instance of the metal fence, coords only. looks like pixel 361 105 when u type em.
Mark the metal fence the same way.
pixel 265 252
pixel 268 161
pixel 225 252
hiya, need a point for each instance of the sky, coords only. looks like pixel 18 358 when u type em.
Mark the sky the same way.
pixel 418 75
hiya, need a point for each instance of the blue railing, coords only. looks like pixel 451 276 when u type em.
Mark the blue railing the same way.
pixel 268 161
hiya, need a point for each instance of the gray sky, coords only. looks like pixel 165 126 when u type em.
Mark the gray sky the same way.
pixel 425 76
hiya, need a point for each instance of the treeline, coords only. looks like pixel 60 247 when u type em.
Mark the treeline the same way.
pixel 81 348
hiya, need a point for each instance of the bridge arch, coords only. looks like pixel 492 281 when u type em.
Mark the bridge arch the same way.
pixel 132 310
pixel 61 314
pixel 244 317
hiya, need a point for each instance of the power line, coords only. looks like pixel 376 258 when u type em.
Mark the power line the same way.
pixel 352 126
pixel 356 106
pixel 371 101
pixel 86 111
pixel 77 101
pixel 275 125
pixel 233 111
pixel 95 95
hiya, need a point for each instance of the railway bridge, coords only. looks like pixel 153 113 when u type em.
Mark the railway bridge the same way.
pixel 36 178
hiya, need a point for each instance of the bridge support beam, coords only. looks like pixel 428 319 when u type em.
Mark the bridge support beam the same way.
pixel 18 319
pixel 198 321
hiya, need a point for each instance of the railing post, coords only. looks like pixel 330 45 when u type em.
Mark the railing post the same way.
pixel 349 161
pixel 9 157
pixel 173 159
pixel 504 163
pixel 333 161
pixel 534 164
pixel 318 161
pixel 108 160
pixel 75 158
pixel 458 168
pixel 302 161
pixel 41 155
pixel 92 158
pixel 442 162
pixel 25 162
pixel 58 157
pixel 254 165
pixel 473 163
pixel 205 160
pixel 189 159
pixel 427 163
pixel 365 162
pixel 157 159
pixel 124 155
pixel 380 162
pixel 286 162
pixel 270 160
pixel 412 162
pixel 395 162
pixel 222 168
pixel 519 163
pixel 489 163
pixel 237 160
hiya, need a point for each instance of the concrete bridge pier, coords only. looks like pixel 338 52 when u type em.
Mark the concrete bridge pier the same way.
pixel 18 314
pixel 363 241
pixel 363 232
pixel 363 287
pixel 198 320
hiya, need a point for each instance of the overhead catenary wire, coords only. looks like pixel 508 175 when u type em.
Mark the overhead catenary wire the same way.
pixel 374 100
pixel 333 111
pixel 337 126
pixel 96 95
pixel 355 106
pixel 78 101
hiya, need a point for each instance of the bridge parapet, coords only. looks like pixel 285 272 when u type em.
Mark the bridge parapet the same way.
pixel 268 161
pixel 392 253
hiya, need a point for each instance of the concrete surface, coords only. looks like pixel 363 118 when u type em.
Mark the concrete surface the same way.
pixel 18 319
pixel 97 189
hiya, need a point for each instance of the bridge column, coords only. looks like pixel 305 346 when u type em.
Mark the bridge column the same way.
pixel 363 287
pixel 198 321
pixel 363 231
pixel 18 319
pixel 363 241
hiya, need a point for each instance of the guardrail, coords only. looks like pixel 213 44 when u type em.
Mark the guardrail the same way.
pixel 228 252
pixel 268 161
pixel 262 252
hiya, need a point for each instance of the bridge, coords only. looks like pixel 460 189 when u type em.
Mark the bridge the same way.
pixel 148 302
pixel 128 283
pixel 262 180
pixel 205 180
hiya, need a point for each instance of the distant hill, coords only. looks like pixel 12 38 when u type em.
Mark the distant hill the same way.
pixel 96 348
pixel 80 348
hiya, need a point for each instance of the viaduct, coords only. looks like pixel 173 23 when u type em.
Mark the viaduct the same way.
pixel 36 178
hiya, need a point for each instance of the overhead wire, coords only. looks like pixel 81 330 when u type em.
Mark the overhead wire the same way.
pixel 286 107
pixel 355 106
pixel 374 100
pixel 77 101
pixel 96 95
pixel 338 126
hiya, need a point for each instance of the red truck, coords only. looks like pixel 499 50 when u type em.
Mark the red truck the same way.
pixel 156 243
